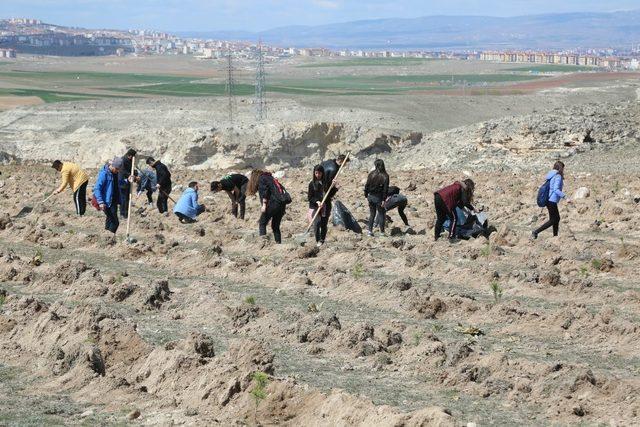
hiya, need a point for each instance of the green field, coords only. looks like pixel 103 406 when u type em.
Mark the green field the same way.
pixel 88 79
pixel 552 68
pixel 445 79
pixel 58 86
pixel 49 96
pixel 218 89
pixel 369 62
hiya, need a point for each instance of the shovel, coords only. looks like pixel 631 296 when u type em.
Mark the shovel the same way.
pixel 302 238
pixel 28 209
pixel 168 196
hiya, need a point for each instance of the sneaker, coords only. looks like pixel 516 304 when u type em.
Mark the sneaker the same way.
pixel 534 235
pixel 370 233
pixel 382 234
pixel 319 244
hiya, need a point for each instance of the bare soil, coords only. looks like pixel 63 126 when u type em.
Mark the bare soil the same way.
pixel 397 330
pixel 11 102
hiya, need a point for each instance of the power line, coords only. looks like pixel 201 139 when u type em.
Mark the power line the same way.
pixel 230 87
pixel 260 102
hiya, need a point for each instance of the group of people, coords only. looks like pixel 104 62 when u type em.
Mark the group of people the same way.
pixel 114 181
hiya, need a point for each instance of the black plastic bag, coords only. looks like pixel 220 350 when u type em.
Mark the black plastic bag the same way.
pixel 342 216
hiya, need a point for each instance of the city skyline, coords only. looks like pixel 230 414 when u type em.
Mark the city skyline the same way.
pixel 251 15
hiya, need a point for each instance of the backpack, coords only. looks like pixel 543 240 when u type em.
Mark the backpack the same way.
pixel 281 195
pixel 543 194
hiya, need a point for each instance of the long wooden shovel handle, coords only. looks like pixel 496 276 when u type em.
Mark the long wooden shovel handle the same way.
pixel 168 196
pixel 333 181
pixel 50 196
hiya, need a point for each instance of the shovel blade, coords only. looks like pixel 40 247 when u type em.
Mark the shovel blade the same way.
pixel 24 212
pixel 301 239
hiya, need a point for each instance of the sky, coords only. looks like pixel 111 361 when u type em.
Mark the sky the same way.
pixel 259 15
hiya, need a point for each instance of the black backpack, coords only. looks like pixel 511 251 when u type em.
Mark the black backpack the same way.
pixel 281 194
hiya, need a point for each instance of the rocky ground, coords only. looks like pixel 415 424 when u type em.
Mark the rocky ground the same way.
pixel 209 324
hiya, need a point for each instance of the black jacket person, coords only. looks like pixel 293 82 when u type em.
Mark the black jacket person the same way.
pixel 331 168
pixel 124 185
pixel 315 196
pixel 163 177
pixel 273 209
pixel 375 191
pixel 235 185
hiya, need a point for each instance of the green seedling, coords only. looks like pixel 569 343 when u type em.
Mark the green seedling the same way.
pixel 497 291
pixel 486 250
pixel 312 307
pixel 357 271
pixel 259 391
pixel 469 330
pixel 596 264
pixel 38 258
pixel 417 337
pixel 251 300
pixel 584 271
pixel 2 299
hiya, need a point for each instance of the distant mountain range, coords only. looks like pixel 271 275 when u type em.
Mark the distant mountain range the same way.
pixel 552 31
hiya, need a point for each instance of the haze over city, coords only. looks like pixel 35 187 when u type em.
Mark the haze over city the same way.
pixel 257 15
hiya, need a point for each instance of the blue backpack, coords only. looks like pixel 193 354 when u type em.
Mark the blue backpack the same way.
pixel 543 194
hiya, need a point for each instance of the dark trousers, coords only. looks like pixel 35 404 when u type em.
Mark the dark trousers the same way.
pixel 111 222
pixel 185 219
pixel 401 205
pixel 149 191
pixel 80 199
pixel 321 223
pixel 554 219
pixel 442 214
pixel 125 194
pixel 274 213
pixel 402 214
pixel 241 202
pixel 375 207
pixel 163 197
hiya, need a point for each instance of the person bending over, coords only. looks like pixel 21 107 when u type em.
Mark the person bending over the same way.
pixel 273 207
pixel 396 200
pixel 147 182
pixel 187 207
pixel 460 193
pixel 73 176
pixel 235 185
